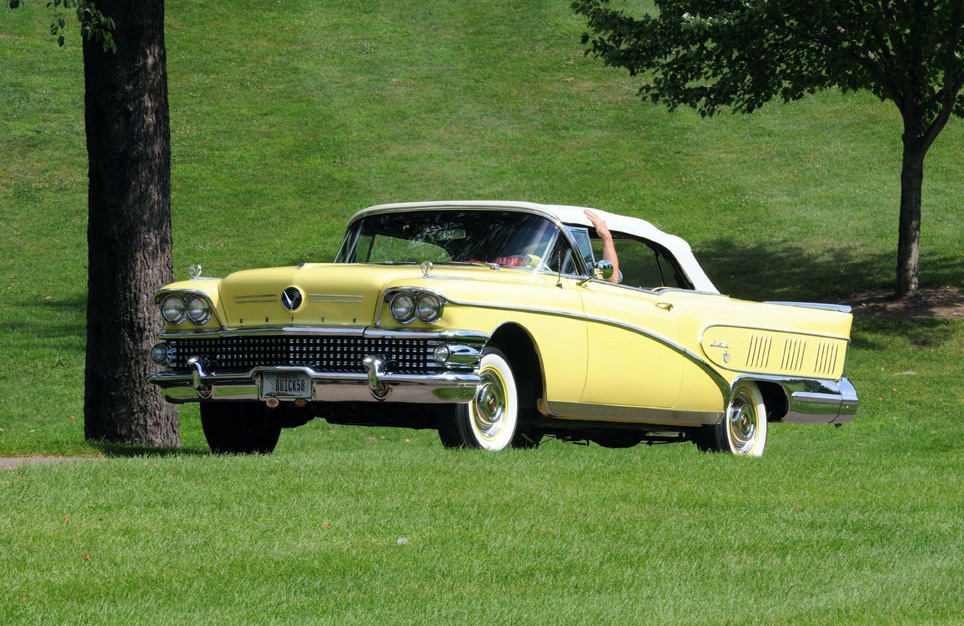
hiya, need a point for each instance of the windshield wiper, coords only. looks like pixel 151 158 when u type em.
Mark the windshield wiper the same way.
pixel 491 266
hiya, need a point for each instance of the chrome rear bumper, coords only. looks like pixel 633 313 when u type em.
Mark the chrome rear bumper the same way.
pixel 820 402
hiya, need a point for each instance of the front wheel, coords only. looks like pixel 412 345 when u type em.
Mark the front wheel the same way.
pixel 743 431
pixel 491 420
pixel 239 427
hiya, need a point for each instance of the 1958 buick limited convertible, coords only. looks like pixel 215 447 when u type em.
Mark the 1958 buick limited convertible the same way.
pixel 496 324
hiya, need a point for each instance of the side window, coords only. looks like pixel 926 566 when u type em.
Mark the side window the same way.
pixel 643 266
pixel 580 235
pixel 562 252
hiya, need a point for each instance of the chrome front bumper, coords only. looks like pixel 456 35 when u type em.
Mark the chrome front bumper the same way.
pixel 454 380
pixel 327 386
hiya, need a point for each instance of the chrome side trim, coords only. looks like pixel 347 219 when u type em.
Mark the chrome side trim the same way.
pixel 720 381
pixel 840 308
pixel 631 414
pixel 771 330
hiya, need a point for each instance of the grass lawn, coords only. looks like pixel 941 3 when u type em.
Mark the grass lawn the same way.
pixel 287 117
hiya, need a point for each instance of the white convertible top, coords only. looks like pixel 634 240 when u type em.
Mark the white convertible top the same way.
pixel 575 215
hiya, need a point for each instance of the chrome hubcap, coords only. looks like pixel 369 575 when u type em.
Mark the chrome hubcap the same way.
pixel 489 405
pixel 741 422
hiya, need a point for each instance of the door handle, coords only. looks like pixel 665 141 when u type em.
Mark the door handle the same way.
pixel 666 306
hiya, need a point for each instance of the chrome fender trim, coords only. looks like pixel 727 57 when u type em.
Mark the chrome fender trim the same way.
pixel 840 308
pixel 628 414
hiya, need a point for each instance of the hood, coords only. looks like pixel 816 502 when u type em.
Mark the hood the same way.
pixel 329 294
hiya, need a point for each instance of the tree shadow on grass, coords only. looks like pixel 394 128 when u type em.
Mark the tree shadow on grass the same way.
pixel 920 332
pixel 120 450
pixel 63 322
pixel 786 271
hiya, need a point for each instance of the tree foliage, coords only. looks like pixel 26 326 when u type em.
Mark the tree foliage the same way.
pixel 94 25
pixel 716 54
pixel 737 55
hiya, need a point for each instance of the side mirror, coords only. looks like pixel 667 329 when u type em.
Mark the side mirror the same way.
pixel 602 270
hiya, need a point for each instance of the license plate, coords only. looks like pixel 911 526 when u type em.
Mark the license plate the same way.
pixel 284 385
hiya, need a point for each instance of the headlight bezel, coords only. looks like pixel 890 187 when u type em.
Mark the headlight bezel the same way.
pixel 392 304
pixel 205 309
pixel 433 311
pixel 179 312
pixel 175 304
pixel 408 305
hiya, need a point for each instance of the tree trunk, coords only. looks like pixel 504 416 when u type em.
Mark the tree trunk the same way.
pixel 908 241
pixel 129 225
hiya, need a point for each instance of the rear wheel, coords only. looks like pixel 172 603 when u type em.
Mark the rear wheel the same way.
pixel 239 427
pixel 491 420
pixel 743 431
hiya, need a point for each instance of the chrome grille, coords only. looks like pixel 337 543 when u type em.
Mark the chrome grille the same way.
pixel 324 354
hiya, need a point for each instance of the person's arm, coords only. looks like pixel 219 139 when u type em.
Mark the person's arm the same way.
pixel 608 248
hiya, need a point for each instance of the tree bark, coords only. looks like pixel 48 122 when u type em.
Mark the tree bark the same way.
pixel 911 184
pixel 129 225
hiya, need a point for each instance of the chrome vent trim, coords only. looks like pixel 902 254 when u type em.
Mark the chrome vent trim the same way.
pixel 758 354
pixel 826 358
pixel 794 351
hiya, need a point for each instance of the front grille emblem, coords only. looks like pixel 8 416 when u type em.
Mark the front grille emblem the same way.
pixel 291 298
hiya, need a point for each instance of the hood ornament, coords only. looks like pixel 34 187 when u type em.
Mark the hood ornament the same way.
pixel 194 271
pixel 426 268
pixel 291 298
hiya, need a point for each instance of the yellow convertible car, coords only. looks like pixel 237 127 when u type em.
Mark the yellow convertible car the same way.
pixel 498 324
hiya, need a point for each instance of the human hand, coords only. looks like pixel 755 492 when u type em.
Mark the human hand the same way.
pixel 599 224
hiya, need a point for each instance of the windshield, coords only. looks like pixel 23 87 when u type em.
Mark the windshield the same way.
pixel 507 238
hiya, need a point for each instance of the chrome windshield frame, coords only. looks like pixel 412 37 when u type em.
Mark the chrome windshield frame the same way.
pixel 351 239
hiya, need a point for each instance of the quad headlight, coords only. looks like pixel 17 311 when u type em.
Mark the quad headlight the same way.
pixel 403 307
pixel 173 310
pixel 428 307
pixel 198 310
pixel 408 304
pixel 177 307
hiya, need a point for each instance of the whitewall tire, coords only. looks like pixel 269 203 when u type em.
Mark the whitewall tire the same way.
pixel 491 420
pixel 743 430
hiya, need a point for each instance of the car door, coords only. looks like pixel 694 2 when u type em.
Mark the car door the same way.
pixel 634 356
pixel 631 359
